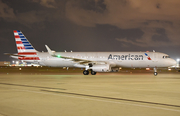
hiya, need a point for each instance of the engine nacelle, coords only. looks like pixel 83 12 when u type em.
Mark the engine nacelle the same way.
pixel 101 68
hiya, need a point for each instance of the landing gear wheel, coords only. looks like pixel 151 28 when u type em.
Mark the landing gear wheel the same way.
pixel 85 72
pixel 155 73
pixel 93 72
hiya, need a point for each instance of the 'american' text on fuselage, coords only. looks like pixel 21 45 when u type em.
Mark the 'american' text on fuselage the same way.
pixel 125 57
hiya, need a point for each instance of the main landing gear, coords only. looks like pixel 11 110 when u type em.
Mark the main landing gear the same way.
pixel 93 72
pixel 155 72
pixel 86 72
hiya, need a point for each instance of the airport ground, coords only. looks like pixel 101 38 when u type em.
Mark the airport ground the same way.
pixel 49 91
pixel 56 70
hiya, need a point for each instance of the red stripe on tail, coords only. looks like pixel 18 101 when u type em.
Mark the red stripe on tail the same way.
pixel 19 42
pixel 20 47
pixel 16 36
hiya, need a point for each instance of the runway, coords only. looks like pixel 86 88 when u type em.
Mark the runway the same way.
pixel 101 95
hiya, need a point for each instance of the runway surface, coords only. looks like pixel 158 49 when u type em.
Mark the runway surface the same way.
pixel 101 95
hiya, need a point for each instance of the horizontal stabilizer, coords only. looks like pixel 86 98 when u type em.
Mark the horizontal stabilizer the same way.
pixel 13 55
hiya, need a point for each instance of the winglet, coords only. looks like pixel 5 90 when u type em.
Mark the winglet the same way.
pixel 49 50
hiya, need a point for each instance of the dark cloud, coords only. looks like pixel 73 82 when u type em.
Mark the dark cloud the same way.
pixel 92 25
pixel 5 11
pixel 132 14
pixel 46 3
pixel 92 5
pixel 158 6
pixel 160 36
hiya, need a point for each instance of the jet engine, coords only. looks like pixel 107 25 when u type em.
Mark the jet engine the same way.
pixel 101 68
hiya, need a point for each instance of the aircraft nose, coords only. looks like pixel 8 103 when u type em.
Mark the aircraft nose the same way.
pixel 173 62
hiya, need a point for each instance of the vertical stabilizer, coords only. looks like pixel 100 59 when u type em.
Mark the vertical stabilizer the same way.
pixel 24 47
pixel 22 43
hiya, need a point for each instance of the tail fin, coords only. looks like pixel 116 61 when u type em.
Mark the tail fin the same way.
pixel 22 43
pixel 25 50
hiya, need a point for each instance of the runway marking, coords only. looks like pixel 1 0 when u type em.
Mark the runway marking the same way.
pixel 89 95
pixel 31 86
pixel 3 114
pixel 154 107
pixel 113 98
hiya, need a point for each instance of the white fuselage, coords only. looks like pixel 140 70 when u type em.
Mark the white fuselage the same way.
pixel 115 59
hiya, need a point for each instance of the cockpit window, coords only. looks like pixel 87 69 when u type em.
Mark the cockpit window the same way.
pixel 166 56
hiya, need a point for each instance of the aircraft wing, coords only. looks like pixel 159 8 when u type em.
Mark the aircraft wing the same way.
pixel 78 60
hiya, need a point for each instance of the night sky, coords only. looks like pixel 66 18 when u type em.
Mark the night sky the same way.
pixel 92 25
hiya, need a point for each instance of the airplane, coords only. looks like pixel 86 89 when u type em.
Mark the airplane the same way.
pixel 92 62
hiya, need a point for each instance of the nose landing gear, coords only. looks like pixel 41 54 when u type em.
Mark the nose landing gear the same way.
pixel 155 72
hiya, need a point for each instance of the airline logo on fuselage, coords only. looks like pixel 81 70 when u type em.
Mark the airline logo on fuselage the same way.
pixel 125 57
pixel 147 56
